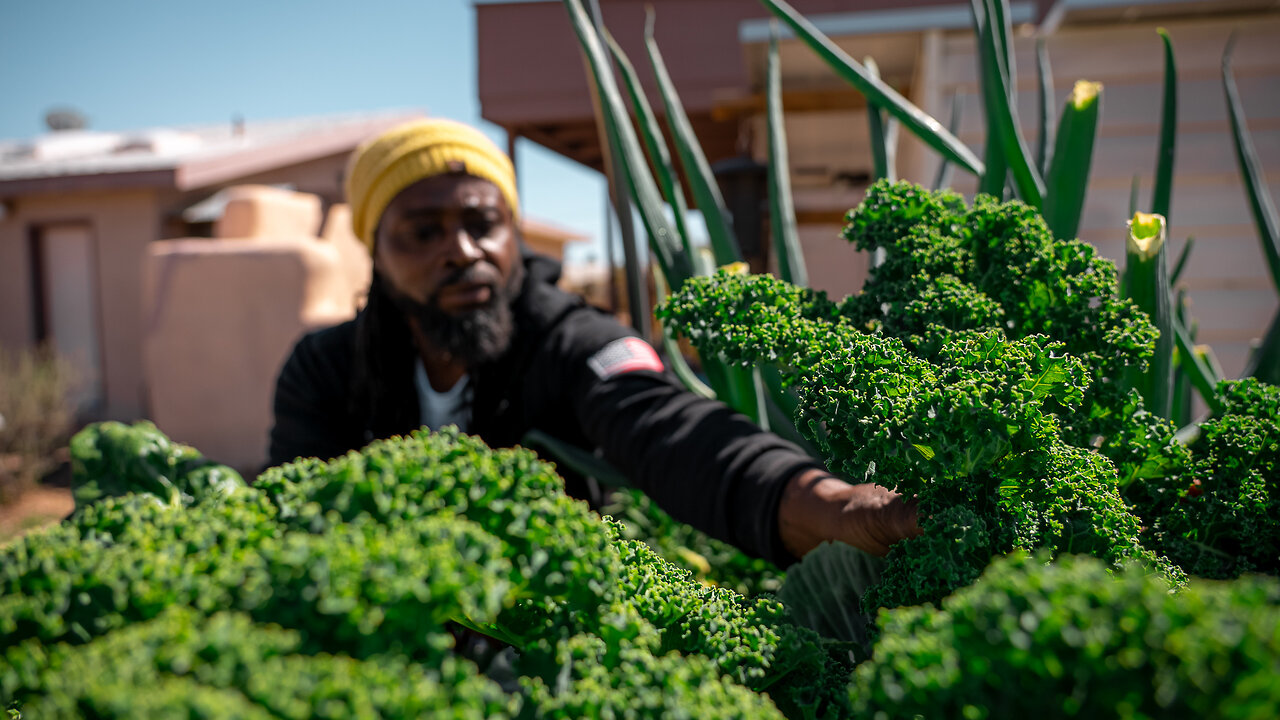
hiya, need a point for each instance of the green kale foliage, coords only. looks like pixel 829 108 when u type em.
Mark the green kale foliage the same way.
pixel 112 458
pixel 995 266
pixel 709 560
pixel 340 588
pixel 981 370
pixel 631 679
pixel 1221 517
pixel 964 421
pixel 184 663
pixel 1073 639
pixel 751 640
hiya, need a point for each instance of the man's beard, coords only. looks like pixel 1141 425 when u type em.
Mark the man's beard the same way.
pixel 472 337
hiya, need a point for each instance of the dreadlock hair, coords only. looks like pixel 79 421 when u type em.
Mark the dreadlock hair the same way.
pixel 383 341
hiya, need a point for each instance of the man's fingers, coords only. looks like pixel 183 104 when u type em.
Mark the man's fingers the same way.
pixel 876 518
pixel 816 507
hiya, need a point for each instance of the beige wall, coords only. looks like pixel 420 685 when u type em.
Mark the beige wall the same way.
pixel 833 264
pixel 223 314
pixel 121 223
pixel 322 177
pixel 16 330
pixel 223 317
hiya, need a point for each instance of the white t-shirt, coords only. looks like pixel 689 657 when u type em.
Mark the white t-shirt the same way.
pixel 437 409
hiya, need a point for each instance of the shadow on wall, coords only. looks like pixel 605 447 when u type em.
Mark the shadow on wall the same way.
pixel 222 314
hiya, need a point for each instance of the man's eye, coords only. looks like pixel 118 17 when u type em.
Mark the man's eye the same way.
pixel 426 232
pixel 479 228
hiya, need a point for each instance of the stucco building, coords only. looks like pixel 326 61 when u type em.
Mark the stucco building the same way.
pixel 80 208
pixel 175 267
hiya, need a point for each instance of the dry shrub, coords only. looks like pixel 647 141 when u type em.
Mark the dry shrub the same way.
pixel 36 417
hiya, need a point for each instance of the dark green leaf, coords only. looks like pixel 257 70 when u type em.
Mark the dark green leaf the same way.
pixel 655 143
pixel 696 168
pixel 913 118
pixel 1001 109
pixel 1201 373
pixel 1068 180
pixel 1264 361
pixel 946 168
pixel 1163 192
pixel 782 212
pixel 823 592
pixel 1181 264
pixel 1255 181
pixel 883 134
pixel 1044 83
pixel 663 237
pixel 576 459
pixel 1146 282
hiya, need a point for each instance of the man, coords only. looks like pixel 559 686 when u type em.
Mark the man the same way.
pixel 463 327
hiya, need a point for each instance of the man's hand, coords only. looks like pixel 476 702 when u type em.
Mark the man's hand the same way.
pixel 817 507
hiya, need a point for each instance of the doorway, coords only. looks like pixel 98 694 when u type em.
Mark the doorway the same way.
pixel 67 308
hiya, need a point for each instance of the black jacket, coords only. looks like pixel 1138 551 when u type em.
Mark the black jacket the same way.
pixel 702 463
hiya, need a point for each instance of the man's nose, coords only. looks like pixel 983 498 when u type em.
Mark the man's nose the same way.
pixel 463 248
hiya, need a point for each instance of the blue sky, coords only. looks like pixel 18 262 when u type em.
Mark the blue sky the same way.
pixel 145 63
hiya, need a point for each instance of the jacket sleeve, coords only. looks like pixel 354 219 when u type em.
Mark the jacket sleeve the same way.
pixel 310 406
pixel 701 462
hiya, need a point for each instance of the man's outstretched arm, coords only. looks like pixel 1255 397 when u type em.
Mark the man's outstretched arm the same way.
pixel 816 507
pixel 714 469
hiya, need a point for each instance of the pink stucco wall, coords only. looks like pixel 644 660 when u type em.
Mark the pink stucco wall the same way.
pixel 121 224
pixel 223 314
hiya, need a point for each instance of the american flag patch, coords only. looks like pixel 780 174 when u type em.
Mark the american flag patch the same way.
pixel 624 355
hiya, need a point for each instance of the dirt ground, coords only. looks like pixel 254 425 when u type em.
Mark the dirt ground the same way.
pixel 47 502
pixel 35 508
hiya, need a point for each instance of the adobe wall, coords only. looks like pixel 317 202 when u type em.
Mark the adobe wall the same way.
pixel 121 223
pixel 223 314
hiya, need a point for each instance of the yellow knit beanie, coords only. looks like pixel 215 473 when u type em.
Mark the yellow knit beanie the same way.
pixel 383 166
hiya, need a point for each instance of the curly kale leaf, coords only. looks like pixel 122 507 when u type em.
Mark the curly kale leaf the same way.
pixel 708 560
pixel 375 563
pixel 109 459
pixel 509 493
pixel 1075 639
pixel 996 266
pixel 965 419
pixel 887 411
pixel 226 665
pixel 1222 517
pixel 595 680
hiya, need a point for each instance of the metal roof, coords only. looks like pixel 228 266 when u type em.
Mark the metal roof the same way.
pixel 181 157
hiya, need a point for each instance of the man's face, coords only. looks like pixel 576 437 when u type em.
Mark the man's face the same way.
pixel 446 248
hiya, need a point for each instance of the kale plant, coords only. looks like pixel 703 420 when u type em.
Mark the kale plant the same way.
pixel 708 560
pixel 974 372
pixel 343 588
pixel 1221 517
pixel 997 266
pixel 1073 639
pixel 112 458
pixel 184 663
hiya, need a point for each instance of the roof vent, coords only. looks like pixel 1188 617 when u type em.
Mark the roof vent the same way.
pixel 60 119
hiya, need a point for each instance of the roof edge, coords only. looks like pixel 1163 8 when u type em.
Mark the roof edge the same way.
pixel 52 184
pixel 876 22
pixel 203 172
